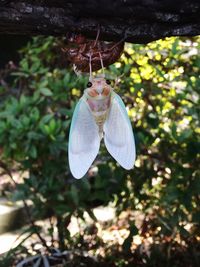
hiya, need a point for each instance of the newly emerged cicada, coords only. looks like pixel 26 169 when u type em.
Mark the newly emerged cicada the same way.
pixel 100 113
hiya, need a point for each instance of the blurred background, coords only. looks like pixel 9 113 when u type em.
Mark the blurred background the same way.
pixel 148 216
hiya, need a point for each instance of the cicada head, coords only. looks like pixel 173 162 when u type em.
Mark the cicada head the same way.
pixel 98 88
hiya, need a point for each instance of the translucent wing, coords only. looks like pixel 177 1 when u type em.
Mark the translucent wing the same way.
pixel 118 134
pixel 84 140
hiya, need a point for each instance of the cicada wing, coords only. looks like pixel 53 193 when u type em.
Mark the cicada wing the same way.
pixel 84 140
pixel 118 134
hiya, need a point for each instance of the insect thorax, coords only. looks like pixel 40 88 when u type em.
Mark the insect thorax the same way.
pixel 99 109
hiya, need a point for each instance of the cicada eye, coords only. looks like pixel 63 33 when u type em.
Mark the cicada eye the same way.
pixel 108 81
pixel 89 84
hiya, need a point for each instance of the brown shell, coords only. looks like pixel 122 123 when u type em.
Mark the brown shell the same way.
pixel 79 50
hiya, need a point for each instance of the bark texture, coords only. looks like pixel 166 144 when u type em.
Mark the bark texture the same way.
pixel 141 21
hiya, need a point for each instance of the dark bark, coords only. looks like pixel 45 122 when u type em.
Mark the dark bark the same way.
pixel 140 20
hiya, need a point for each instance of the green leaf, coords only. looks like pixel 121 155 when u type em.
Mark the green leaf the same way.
pixel 33 152
pixel 46 92
pixel 46 118
pixel 52 125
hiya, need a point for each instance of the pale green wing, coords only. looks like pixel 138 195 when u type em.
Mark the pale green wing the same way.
pixel 118 137
pixel 84 140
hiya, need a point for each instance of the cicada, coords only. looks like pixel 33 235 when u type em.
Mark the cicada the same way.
pixel 100 114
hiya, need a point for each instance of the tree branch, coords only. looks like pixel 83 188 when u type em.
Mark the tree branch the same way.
pixel 142 21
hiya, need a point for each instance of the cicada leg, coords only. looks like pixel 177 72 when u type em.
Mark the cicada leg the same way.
pixel 76 71
pixel 97 37
pixel 102 66
pixel 90 66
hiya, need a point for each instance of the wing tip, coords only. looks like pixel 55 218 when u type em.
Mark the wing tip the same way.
pixel 128 166
pixel 78 177
pixel 76 172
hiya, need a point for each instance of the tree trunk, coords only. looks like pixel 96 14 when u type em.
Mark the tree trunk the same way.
pixel 141 21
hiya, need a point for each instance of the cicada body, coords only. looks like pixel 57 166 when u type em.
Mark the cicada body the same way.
pixel 100 113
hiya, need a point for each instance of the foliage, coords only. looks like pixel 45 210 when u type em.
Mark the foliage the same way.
pixel 165 87
pixel 160 86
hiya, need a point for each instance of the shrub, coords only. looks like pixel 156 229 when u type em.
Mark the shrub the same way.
pixel 160 87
